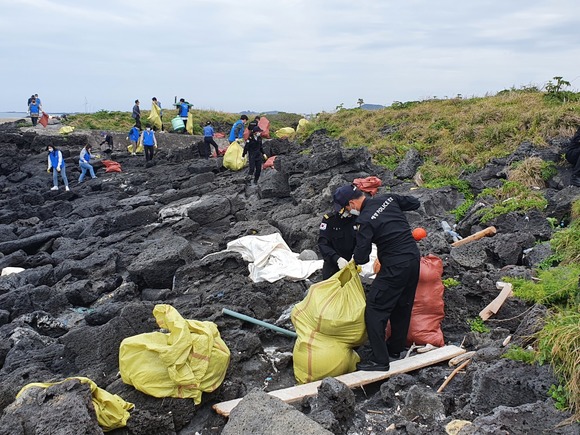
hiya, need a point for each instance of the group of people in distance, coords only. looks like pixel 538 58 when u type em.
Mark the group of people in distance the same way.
pixel 34 108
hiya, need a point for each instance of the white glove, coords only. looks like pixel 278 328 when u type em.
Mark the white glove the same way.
pixel 341 262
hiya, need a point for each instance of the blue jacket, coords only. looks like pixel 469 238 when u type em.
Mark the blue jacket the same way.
pixel 148 138
pixel 85 156
pixel 208 131
pixel 34 108
pixel 183 109
pixel 237 131
pixel 134 134
pixel 55 160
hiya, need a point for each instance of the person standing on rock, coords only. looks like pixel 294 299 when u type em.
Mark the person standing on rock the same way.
pixel 573 157
pixel 34 111
pixel 133 136
pixel 208 139
pixel 84 163
pixel 149 143
pixel 336 239
pixel 137 114
pixel 255 152
pixel 381 221
pixel 237 131
pixel 57 165
pixel 183 111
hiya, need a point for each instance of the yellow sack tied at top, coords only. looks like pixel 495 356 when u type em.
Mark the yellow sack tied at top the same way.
pixel 192 358
pixel 154 117
pixel 330 322
pixel 112 411
pixel 285 132
pixel 302 125
pixel 233 157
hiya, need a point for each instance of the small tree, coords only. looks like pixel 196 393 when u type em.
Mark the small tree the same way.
pixel 360 102
pixel 340 106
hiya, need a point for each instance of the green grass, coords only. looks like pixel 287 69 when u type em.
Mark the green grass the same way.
pixel 477 325
pixel 517 353
pixel 512 196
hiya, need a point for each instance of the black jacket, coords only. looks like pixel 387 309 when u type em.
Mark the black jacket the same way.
pixel 337 237
pixel 253 147
pixel 383 222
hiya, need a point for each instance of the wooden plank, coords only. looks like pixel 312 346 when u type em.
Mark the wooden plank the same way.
pixel 489 231
pixel 496 304
pixel 355 379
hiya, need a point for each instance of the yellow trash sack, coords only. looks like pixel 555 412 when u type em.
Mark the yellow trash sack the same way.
pixel 285 132
pixel 192 358
pixel 112 411
pixel 330 322
pixel 66 129
pixel 139 147
pixel 302 125
pixel 189 126
pixel 154 117
pixel 233 157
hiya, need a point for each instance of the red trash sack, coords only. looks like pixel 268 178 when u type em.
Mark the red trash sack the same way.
pixel 269 163
pixel 264 124
pixel 43 120
pixel 369 185
pixel 111 166
pixel 219 135
pixel 429 308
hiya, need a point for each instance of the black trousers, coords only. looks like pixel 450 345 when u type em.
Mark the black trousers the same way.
pixel 209 141
pixel 34 119
pixel 573 157
pixel 138 122
pixel 391 297
pixel 149 151
pixel 255 162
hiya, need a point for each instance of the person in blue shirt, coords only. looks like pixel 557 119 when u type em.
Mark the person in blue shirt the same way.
pixel 133 136
pixel 84 163
pixel 182 111
pixel 57 165
pixel 34 111
pixel 149 142
pixel 208 140
pixel 237 131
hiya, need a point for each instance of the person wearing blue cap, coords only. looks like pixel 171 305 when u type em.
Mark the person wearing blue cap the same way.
pixel 381 221
pixel 337 236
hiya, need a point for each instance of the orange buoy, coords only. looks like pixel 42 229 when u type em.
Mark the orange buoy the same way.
pixel 419 233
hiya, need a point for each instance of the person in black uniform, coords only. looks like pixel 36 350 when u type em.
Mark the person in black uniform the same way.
pixel 381 221
pixel 336 240
pixel 253 148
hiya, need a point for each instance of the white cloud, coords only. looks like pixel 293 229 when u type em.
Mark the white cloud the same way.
pixel 292 55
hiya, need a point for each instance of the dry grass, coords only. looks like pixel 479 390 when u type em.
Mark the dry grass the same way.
pixel 529 173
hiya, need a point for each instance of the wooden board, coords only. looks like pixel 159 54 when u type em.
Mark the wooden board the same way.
pixel 496 304
pixel 355 379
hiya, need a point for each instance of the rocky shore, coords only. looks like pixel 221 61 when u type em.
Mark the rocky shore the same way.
pixel 99 257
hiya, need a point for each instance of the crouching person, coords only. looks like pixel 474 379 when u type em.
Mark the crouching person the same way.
pixel 84 163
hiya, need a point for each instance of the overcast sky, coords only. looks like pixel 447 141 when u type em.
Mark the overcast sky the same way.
pixel 303 56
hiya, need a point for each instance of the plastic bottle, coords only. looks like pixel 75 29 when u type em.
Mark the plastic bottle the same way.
pixel 448 230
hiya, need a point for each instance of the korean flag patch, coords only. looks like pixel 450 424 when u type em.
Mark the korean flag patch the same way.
pixel 322 226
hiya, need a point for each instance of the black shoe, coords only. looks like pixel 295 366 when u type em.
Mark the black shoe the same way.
pixel 395 355
pixel 371 366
